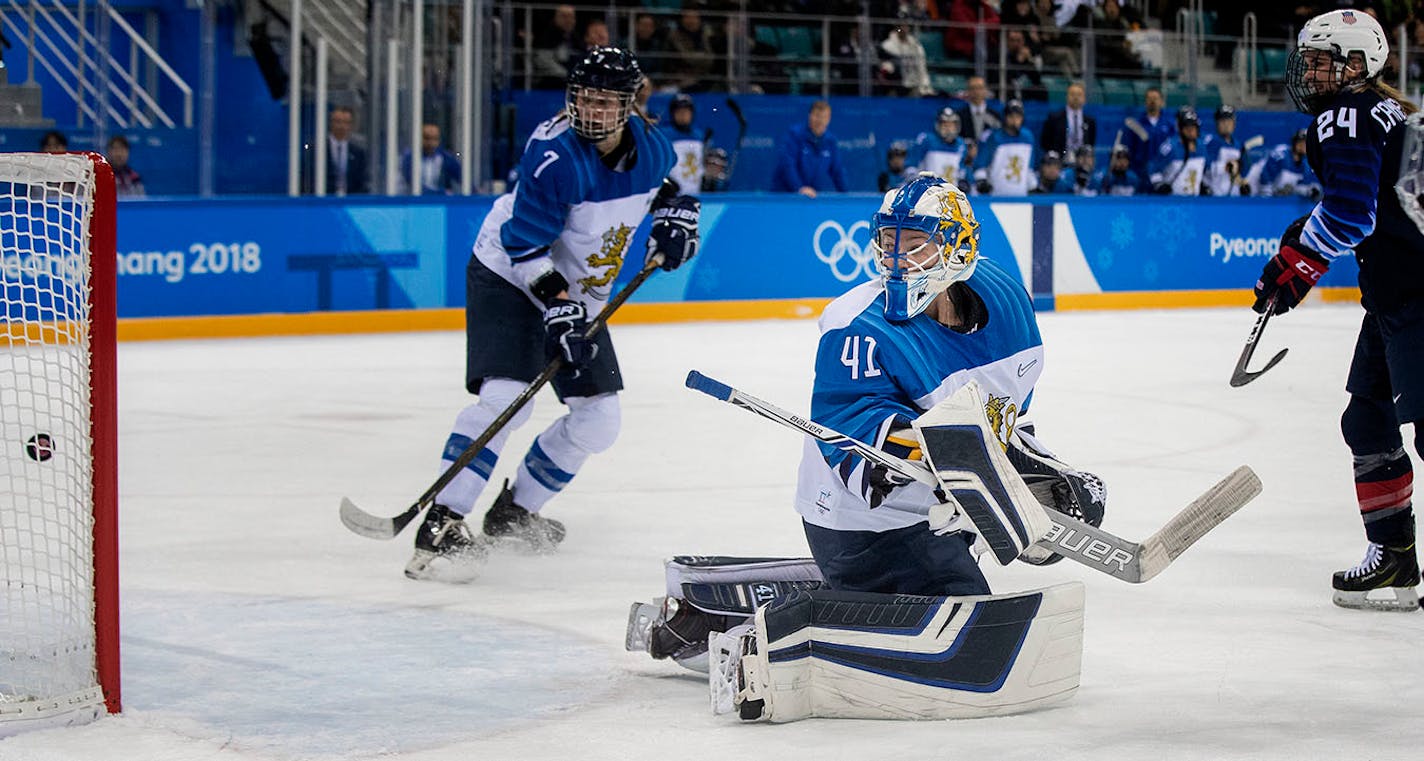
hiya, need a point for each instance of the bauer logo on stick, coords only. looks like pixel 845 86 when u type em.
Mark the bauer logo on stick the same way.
pixel 40 447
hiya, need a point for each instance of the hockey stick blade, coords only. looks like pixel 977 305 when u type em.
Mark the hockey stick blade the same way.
pixel 1240 376
pixel 1091 546
pixel 376 527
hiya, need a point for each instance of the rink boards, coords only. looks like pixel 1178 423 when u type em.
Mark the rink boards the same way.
pixel 271 266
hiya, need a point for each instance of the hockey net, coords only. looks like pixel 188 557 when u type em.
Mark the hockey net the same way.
pixel 58 482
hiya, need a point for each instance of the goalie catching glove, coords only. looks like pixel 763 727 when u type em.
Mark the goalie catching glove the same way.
pixel 674 231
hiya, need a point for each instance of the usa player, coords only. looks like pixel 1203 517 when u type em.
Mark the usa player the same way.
pixel 1355 147
pixel 545 257
pixel 939 316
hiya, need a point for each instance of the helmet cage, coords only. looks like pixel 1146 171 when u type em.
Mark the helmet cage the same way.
pixel 592 122
pixel 912 280
pixel 1311 93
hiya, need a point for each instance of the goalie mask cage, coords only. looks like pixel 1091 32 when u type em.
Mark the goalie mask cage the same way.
pixel 59 633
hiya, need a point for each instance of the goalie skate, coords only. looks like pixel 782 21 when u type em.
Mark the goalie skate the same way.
pixel 1392 574
pixel 733 679
pixel 446 550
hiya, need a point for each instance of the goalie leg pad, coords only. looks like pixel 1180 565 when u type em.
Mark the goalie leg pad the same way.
pixel 833 654
pixel 707 595
pixel 970 463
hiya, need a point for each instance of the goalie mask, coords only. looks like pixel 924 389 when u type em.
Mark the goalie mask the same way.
pixel 924 238
pixel 600 93
pixel 1339 50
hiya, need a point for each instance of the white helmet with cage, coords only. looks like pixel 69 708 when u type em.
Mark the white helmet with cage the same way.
pixel 1315 70
pixel 925 238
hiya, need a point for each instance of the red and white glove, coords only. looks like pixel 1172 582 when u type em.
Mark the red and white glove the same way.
pixel 1290 274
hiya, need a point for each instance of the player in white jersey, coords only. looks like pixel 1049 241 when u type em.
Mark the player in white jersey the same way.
pixel 939 318
pixel 689 142
pixel 545 258
pixel 944 153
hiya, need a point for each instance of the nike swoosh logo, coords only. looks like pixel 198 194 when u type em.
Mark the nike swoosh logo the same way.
pixel 1396 398
pixel 1024 368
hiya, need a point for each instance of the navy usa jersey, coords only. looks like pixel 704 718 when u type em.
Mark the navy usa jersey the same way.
pixel 1355 149
pixel 873 375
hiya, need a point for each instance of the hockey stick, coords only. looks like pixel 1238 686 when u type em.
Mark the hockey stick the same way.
pixel 1239 375
pixel 1133 562
pixel 736 109
pixel 376 527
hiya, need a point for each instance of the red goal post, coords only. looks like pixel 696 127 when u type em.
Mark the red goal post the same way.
pixel 59 599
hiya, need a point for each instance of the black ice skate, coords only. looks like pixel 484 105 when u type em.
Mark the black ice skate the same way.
pixel 1392 569
pixel 445 548
pixel 508 521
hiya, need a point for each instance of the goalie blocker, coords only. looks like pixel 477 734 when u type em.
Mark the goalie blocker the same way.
pixel 822 653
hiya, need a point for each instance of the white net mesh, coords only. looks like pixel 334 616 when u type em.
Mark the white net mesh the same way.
pixel 47 631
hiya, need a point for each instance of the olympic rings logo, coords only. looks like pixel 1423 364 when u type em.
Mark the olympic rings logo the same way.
pixel 845 246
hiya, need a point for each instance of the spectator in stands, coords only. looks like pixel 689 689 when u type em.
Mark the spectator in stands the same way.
pixel 127 182
pixel 1081 171
pixel 1051 178
pixel 649 43
pixel 439 169
pixel 1179 166
pixel 1117 179
pixel 595 34
pixel 345 158
pixel 1225 157
pixel 959 38
pixel 1068 129
pixel 693 58
pixel 1023 66
pixel 896 173
pixel 977 118
pixel 1143 135
pixel 1005 160
pixel 554 45
pixel 810 161
pixel 1059 47
pixel 1114 52
pixel 54 141
pixel 1287 173
pixel 905 62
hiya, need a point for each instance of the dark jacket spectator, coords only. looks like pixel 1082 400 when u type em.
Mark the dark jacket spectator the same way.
pixel 959 39
pixel 649 43
pixel 346 167
pixel 439 169
pixel 127 182
pixel 1113 51
pixel 977 116
pixel 692 58
pixel 810 160
pixel 555 45
pixel 1069 128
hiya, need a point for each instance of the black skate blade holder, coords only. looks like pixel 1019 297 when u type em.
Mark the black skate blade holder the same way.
pixel 1240 376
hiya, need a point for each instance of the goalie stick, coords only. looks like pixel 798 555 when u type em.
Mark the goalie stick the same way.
pixel 1133 562
pixel 1239 375
pixel 376 527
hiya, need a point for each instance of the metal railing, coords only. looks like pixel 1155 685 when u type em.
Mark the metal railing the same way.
pixel 82 63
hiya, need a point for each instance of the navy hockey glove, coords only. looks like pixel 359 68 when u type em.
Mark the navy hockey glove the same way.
pixel 1289 275
pixel 674 232
pixel 882 481
pixel 565 323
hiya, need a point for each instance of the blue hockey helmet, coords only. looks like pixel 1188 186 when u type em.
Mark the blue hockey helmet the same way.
pixel 601 89
pixel 916 268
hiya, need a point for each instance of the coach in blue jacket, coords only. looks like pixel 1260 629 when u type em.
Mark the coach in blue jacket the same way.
pixel 810 161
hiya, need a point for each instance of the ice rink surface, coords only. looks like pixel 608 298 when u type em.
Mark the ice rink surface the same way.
pixel 257 627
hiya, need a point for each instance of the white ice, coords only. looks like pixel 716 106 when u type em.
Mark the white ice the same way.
pixel 256 627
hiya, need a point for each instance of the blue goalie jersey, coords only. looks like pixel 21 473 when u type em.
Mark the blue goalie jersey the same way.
pixel 874 376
